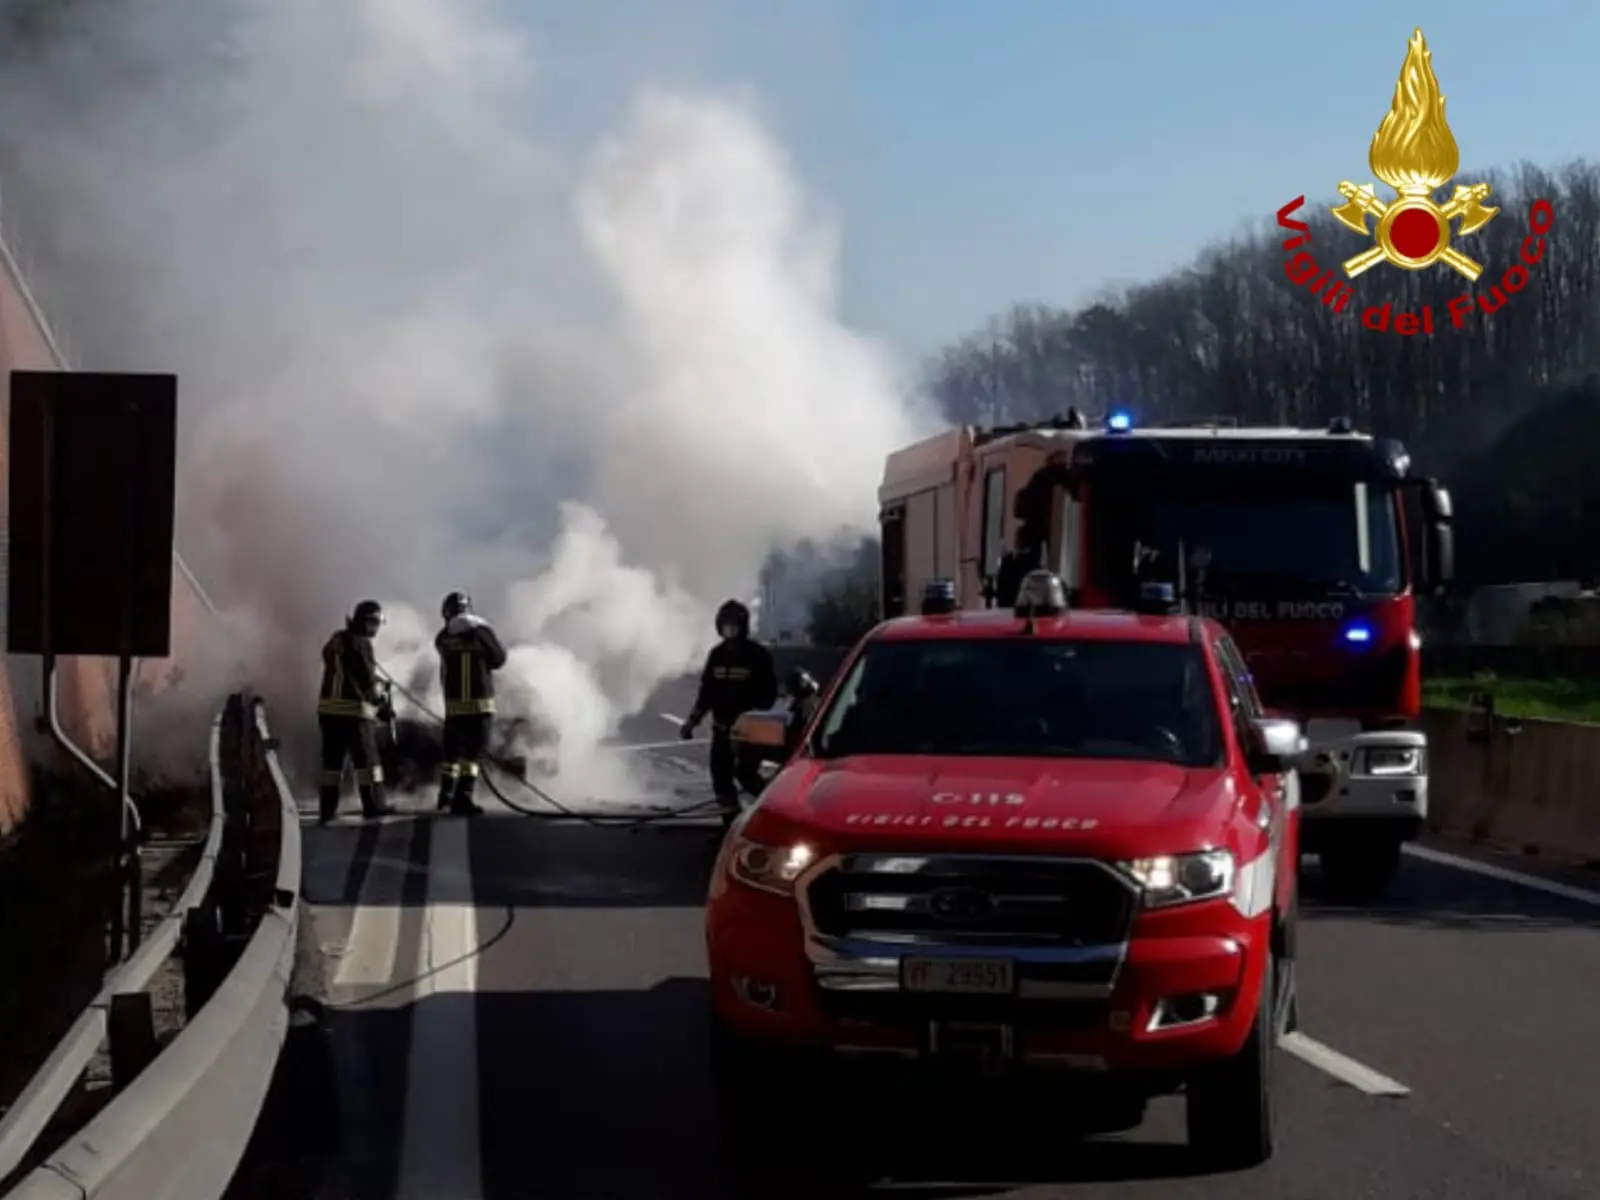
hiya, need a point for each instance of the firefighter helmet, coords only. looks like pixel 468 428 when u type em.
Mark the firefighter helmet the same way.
pixel 368 615
pixel 455 604
pixel 736 614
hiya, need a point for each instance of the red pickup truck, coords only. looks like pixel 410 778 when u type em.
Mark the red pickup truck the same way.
pixel 1011 842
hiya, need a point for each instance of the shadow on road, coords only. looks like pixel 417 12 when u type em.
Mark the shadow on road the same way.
pixel 556 865
pixel 1433 895
pixel 606 1094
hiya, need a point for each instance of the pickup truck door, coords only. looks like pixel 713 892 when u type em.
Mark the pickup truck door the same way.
pixel 1279 794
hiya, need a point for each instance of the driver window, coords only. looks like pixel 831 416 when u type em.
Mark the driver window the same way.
pixel 1243 687
pixel 843 704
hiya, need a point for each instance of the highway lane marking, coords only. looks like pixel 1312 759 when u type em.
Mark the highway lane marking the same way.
pixel 1343 1068
pixel 440 1152
pixel 1505 875
pixel 672 745
pixel 374 945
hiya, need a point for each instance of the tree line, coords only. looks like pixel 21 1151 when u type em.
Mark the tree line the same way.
pixel 1232 335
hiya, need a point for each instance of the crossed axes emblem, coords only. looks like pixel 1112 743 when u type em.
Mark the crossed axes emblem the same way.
pixel 1362 202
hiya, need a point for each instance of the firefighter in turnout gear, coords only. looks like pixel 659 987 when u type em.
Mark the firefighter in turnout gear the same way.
pixel 469 655
pixel 739 676
pixel 352 700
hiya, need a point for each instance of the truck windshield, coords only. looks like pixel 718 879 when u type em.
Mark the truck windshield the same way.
pixel 1253 537
pixel 1026 698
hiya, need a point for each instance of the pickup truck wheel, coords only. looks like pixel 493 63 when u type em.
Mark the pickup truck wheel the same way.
pixel 1360 869
pixel 1287 942
pixel 1228 1106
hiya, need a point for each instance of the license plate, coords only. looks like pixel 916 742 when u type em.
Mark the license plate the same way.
pixel 971 976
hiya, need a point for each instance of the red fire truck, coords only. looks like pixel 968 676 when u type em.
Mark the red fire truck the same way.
pixel 1296 539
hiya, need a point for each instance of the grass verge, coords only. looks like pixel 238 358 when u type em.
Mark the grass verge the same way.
pixel 1553 699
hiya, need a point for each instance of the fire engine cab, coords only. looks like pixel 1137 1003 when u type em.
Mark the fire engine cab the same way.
pixel 1297 540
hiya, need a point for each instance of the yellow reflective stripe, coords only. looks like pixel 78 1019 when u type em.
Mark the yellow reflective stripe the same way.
pixel 469 708
pixel 370 775
pixel 469 770
pixel 333 777
pixel 333 706
pixel 449 770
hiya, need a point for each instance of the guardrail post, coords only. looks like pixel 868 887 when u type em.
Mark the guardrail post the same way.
pixel 131 1030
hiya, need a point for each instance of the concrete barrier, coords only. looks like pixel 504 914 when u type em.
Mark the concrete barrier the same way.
pixel 1525 785
pixel 1529 786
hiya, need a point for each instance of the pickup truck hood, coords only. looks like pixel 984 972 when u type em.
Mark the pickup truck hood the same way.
pixel 1090 806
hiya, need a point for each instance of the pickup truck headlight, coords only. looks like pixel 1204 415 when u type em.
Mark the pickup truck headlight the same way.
pixel 1182 878
pixel 769 868
pixel 1390 761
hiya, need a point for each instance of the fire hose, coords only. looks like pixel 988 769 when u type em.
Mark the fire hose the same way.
pixel 557 811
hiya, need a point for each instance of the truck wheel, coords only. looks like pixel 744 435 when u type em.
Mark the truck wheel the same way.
pixel 1287 944
pixel 1228 1106
pixel 1360 869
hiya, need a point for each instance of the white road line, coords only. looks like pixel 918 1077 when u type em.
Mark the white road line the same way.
pixel 439 1153
pixel 672 745
pixel 1346 1070
pixel 669 718
pixel 369 957
pixel 1489 871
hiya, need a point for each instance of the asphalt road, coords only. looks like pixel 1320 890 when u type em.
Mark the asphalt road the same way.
pixel 518 1009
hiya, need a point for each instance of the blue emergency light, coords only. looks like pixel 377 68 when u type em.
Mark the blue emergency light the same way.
pixel 1157 598
pixel 938 597
pixel 1358 633
pixel 1119 420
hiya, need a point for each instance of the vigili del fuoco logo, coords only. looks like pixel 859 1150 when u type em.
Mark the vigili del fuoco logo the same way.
pixel 1415 153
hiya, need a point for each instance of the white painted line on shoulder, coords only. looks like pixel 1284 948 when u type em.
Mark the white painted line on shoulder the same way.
pixel 440 1152
pixel 1343 1068
pixel 369 958
pixel 672 745
pixel 1549 887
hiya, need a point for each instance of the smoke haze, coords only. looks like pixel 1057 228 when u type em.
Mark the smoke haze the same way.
pixel 430 337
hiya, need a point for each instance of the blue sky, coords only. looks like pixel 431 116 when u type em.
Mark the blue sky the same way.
pixel 982 152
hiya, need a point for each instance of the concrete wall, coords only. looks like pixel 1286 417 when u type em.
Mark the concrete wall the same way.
pixel 1531 786
pixel 1528 786
pixel 87 686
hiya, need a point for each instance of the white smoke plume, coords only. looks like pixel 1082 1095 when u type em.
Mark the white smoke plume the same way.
pixel 426 341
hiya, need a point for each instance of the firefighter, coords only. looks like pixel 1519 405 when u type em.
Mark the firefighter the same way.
pixel 739 676
pixel 352 700
pixel 469 655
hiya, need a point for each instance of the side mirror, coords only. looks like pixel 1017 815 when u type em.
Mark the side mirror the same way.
pixel 1273 743
pixel 1441 556
pixel 761 735
pixel 1436 503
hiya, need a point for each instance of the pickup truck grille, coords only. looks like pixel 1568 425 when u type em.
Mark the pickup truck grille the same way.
pixel 972 900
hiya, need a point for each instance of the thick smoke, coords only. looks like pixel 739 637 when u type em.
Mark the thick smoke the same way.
pixel 424 342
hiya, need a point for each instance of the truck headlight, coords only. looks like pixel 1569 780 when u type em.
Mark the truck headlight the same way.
pixel 1182 878
pixel 1391 761
pixel 769 868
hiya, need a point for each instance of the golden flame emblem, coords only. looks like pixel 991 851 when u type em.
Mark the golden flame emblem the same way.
pixel 1415 153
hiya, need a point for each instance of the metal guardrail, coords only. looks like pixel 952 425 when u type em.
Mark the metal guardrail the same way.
pixel 180 1128
pixel 54 1081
